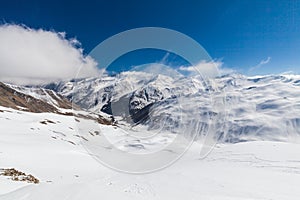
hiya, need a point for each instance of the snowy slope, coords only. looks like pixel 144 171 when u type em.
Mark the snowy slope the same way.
pixel 52 153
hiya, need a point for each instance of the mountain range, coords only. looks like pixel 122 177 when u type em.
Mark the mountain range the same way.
pixel 242 108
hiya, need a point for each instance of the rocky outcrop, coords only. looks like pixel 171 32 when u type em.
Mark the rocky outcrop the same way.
pixel 12 98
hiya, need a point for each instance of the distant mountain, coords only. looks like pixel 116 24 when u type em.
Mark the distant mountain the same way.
pixel 239 108
pixel 234 107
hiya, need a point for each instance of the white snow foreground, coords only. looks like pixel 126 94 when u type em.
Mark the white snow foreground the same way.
pixel 52 152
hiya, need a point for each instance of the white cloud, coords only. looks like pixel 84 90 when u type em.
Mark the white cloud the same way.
pixel 29 56
pixel 208 69
pixel 263 62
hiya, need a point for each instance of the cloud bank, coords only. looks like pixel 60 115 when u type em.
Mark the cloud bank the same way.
pixel 30 56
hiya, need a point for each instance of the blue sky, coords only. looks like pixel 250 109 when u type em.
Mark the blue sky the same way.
pixel 252 37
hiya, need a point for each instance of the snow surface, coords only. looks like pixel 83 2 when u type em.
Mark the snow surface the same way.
pixel 53 153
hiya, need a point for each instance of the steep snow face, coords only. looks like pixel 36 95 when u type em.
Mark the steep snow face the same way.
pixel 240 108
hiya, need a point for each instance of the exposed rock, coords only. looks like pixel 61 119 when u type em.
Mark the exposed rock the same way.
pixel 16 175
pixel 11 98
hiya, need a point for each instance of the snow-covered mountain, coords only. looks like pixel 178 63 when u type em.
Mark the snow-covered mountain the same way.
pixel 239 108
pixel 242 108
